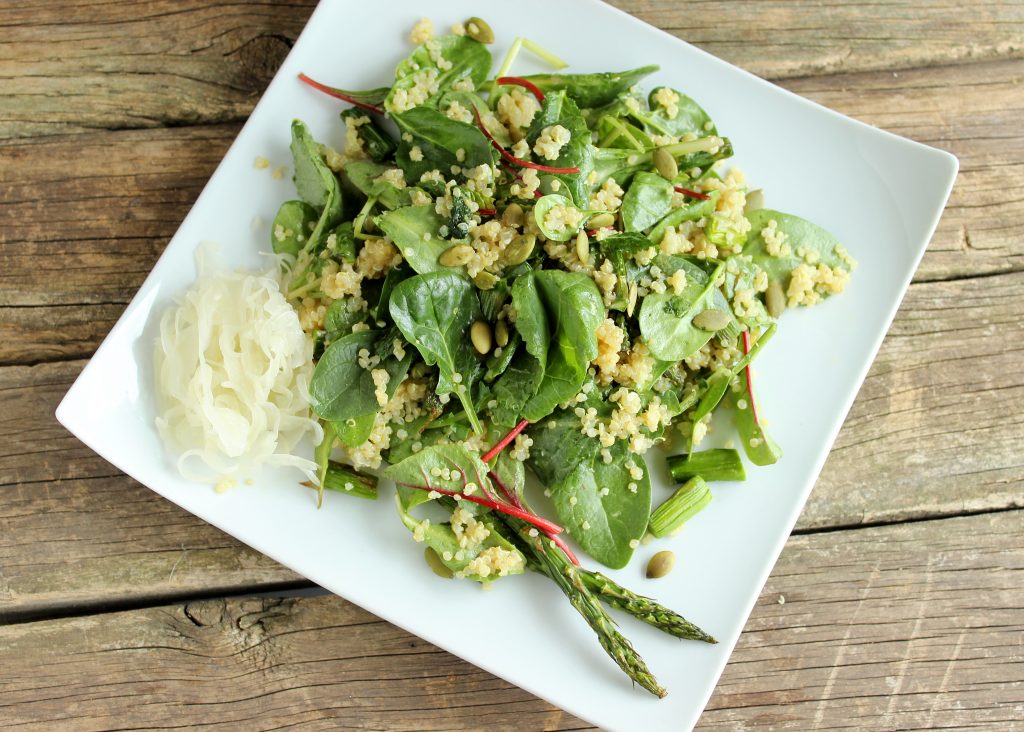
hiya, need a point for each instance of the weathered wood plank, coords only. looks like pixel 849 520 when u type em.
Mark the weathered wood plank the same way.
pixel 145 64
pixel 84 236
pixel 936 431
pixel 912 626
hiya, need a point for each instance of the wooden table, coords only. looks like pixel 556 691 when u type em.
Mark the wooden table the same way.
pixel 903 582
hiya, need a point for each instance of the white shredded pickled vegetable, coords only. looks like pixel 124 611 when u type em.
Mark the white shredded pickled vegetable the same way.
pixel 232 370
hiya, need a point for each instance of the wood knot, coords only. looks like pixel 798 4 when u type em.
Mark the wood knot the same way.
pixel 205 613
pixel 259 58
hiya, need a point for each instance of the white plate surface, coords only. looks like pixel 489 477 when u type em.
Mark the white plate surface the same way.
pixel 880 194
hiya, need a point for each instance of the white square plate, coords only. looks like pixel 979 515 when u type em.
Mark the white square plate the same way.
pixel 880 194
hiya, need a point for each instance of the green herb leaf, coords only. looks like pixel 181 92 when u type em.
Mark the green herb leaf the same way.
pixel 666 319
pixel 439 139
pixel 342 389
pixel 365 176
pixel 591 90
pixel 690 117
pixel 647 201
pixel 571 466
pixel 464 57
pixel 557 315
pixel 315 183
pixel 802 237
pixel 408 228
pixel 558 109
pixel 293 220
pixel 435 311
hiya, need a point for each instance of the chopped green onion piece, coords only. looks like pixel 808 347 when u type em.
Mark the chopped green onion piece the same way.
pixel 544 54
pixel 343 479
pixel 718 464
pixel 682 506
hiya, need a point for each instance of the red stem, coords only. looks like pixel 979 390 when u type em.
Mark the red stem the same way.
pixel 692 194
pixel 514 500
pixel 338 94
pixel 750 383
pixel 486 211
pixel 525 83
pixel 503 442
pixel 544 525
pixel 512 158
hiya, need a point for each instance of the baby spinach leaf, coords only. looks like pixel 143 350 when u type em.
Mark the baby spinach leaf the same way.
pixel 342 389
pixel 540 212
pixel 294 221
pixel 409 228
pixel 802 237
pixel 440 141
pixel 591 90
pixel 557 315
pixel 624 242
pixel 740 272
pixel 514 389
pixel 647 201
pixel 343 246
pixel 434 312
pixel 666 319
pixel 689 118
pixel 354 431
pixel 497 363
pixel 446 467
pixel 340 318
pixel 395 275
pixel 364 175
pixel 690 212
pixel 463 57
pixel 375 141
pixel 315 182
pixel 470 101
pixel 593 498
pixel 558 109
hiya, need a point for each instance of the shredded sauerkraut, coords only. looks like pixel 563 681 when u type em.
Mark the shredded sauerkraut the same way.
pixel 232 371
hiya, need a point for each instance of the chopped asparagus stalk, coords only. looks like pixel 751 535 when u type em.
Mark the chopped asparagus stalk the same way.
pixel 343 479
pixel 683 505
pixel 711 465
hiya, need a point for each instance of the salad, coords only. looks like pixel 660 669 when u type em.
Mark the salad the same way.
pixel 554 275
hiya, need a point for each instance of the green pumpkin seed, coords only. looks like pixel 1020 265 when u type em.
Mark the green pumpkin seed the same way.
pixel 456 256
pixel 436 565
pixel 661 564
pixel 501 334
pixel 479 30
pixel 666 164
pixel 520 249
pixel 631 299
pixel 712 319
pixel 513 215
pixel 755 201
pixel 775 299
pixel 480 335
pixel 583 247
pixel 601 221
pixel 485 280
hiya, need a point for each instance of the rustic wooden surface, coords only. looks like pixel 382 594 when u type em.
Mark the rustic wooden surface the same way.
pixel 903 585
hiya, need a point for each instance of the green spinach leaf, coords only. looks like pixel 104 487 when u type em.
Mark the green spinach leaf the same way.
pixel 315 183
pixel 666 319
pixel 463 58
pixel 558 109
pixel 647 201
pixel 557 315
pixel 294 222
pixel 803 238
pixel 413 229
pixel 434 312
pixel 440 141
pixel 591 90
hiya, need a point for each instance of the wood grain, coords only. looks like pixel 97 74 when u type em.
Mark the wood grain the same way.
pixel 897 627
pixel 934 432
pixel 83 238
pixel 137 63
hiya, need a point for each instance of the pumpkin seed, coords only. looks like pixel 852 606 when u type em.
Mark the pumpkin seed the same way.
pixel 631 299
pixel 666 164
pixel 755 201
pixel 520 249
pixel 601 220
pixel 456 256
pixel 485 280
pixel 436 565
pixel 480 334
pixel 501 334
pixel 712 319
pixel 583 246
pixel 479 30
pixel 513 215
pixel 661 564
pixel 775 299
